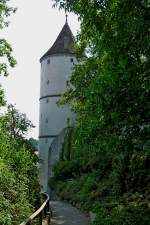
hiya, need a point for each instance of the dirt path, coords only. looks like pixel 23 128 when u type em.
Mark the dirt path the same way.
pixel 65 214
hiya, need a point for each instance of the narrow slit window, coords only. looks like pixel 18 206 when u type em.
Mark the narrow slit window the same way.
pixel 48 61
pixel 46 121
pixel 66 42
pixel 67 83
pixel 71 60
pixel 47 81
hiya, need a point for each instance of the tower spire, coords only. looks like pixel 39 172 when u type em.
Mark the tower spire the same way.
pixel 66 18
pixel 66 13
pixel 63 44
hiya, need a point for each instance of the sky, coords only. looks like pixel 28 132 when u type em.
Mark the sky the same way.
pixel 32 31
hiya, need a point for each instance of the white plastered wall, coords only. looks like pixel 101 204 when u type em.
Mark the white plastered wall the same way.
pixel 55 72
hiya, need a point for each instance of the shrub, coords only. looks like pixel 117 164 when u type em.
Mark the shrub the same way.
pixel 65 169
pixel 122 215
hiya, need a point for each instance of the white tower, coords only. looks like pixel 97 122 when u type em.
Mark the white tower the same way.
pixel 56 67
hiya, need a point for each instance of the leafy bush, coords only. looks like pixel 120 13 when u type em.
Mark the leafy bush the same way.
pixel 122 216
pixel 19 188
pixel 15 204
pixel 65 169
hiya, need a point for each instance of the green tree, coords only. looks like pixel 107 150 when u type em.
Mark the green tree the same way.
pixel 19 188
pixel 110 95
pixel 111 85
pixel 5 48
pixel 6 58
pixel 15 123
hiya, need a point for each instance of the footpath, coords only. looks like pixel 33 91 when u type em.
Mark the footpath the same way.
pixel 65 214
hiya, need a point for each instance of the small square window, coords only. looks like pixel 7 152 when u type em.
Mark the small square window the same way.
pixel 71 60
pixel 48 61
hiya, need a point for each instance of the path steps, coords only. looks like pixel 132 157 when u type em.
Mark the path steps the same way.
pixel 65 214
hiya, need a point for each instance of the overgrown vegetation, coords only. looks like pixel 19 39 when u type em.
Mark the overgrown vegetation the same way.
pixel 108 172
pixel 19 187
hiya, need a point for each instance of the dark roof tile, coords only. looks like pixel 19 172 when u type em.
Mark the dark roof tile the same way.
pixel 63 44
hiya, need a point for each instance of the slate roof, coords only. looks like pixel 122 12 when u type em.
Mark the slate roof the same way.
pixel 63 44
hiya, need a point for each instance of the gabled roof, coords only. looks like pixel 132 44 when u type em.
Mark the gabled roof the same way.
pixel 63 44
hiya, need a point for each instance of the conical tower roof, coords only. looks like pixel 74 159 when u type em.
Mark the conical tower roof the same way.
pixel 63 44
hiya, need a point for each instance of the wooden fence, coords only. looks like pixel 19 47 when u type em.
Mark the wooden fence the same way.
pixel 44 213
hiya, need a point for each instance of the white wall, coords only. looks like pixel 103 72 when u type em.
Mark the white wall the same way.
pixel 44 144
pixel 55 71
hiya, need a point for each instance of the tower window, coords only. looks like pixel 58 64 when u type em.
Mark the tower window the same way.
pixel 48 61
pixel 47 82
pixel 41 115
pixel 46 121
pixel 47 100
pixel 67 83
pixel 71 60
pixel 66 42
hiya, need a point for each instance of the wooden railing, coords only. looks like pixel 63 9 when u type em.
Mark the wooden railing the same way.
pixel 44 213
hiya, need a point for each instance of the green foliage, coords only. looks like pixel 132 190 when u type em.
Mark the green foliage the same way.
pixel 109 92
pixel 67 151
pixel 6 58
pixel 19 186
pixel 6 52
pixel 65 170
pixel 5 48
pixel 15 205
pixel 78 190
pixel 121 215
pixel 16 124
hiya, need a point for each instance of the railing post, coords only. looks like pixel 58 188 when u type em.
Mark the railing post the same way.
pixel 45 211
pixel 48 218
pixel 48 206
pixel 41 218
